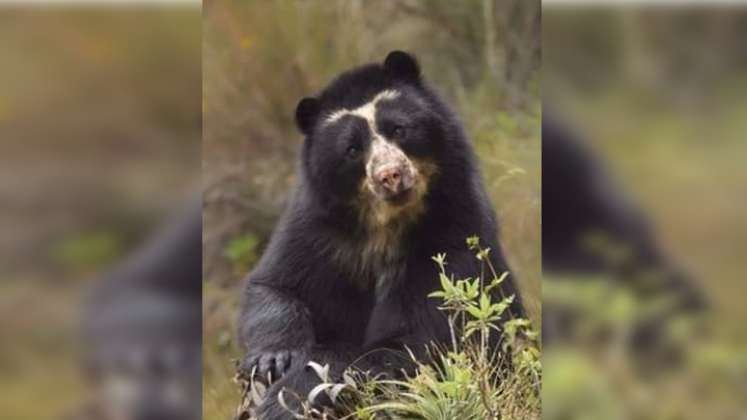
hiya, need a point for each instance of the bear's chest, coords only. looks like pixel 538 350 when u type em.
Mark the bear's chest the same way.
pixel 342 313
pixel 373 264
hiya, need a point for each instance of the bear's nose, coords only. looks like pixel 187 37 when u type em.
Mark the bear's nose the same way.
pixel 390 178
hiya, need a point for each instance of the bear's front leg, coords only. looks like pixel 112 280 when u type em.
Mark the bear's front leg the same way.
pixel 276 331
pixel 300 380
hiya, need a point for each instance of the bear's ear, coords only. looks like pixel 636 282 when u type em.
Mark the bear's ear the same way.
pixel 307 112
pixel 402 66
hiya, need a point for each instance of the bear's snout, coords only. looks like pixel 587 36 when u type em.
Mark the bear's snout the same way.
pixel 390 178
pixel 390 172
pixel 392 182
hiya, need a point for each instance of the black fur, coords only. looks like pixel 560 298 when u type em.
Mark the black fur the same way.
pixel 303 301
pixel 307 112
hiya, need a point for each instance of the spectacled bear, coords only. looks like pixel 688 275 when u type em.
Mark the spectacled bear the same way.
pixel 387 180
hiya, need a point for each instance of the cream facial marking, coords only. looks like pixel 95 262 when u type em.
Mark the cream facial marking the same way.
pixel 366 111
pixel 383 155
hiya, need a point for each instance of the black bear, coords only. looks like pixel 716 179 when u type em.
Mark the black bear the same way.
pixel 387 180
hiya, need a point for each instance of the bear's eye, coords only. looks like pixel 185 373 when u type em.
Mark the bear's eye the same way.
pixel 352 152
pixel 399 132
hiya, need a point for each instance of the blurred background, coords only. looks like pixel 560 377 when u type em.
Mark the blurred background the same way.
pixel 261 58
pixel 100 124
pixel 660 96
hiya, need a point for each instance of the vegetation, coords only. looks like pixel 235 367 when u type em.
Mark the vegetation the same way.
pixel 696 370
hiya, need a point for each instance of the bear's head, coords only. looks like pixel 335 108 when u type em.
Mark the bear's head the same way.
pixel 376 139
